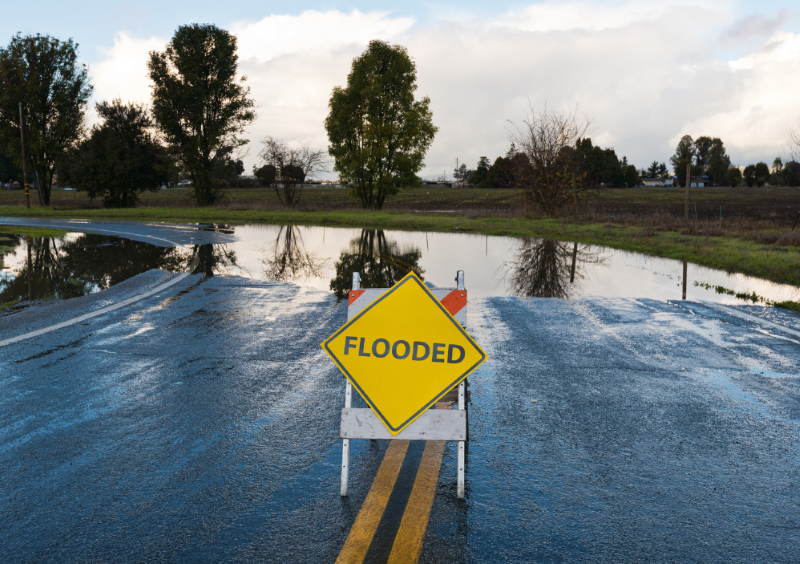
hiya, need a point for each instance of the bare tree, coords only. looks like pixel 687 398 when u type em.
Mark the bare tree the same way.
pixel 293 166
pixel 549 173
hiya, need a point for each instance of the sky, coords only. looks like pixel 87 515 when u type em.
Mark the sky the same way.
pixel 644 73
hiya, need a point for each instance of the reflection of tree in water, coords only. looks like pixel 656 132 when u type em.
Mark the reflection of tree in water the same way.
pixel 69 268
pixel 545 268
pixel 380 262
pixel 290 260
pixel 211 259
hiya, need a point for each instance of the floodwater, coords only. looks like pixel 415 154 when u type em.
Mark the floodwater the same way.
pixel 325 258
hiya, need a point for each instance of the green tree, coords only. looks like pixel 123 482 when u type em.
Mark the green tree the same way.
pixel 685 151
pixel 718 162
pixel 199 104
pixel 652 170
pixel 120 159
pixel 378 132
pixel 791 174
pixel 501 173
pixel 734 177
pixel 43 73
pixel 9 170
pixel 479 177
pixel 761 174
pixel 750 175
pixel 631 176
pixel 702 150
pixel 266 174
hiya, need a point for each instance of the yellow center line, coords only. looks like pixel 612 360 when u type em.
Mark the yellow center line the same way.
pixel 407 546
pixel 360 537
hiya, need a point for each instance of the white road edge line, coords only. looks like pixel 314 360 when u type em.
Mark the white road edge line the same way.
pixel 95 313
pixel 106 309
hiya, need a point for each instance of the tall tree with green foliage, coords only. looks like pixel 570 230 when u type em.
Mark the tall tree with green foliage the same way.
pixel 733 177
pixel 750 175
pixel 43 73
pixel 378 132
pixel 718 162
pixel 199 104
pixel 121 158
pixel 480 176
pixel 631 176
pixel 761 174
pixel 9 169
pixel 685 151
pixel 702 150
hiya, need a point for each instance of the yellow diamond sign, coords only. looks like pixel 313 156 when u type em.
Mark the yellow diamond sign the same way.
pixel 403 352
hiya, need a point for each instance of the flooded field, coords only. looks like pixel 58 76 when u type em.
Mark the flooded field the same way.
pixel 325 258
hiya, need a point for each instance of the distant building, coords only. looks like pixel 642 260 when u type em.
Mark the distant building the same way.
pixel 650 182
pixel 700 182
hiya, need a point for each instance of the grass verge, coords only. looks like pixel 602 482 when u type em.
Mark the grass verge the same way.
pixel 774 262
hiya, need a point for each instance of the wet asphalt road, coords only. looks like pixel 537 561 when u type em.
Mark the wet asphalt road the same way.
pixel 200 425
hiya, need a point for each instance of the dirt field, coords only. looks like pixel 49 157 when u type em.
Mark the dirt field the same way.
pixel 777 206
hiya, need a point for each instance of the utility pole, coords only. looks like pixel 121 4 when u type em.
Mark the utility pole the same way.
pixel 688 183
pixel 24 170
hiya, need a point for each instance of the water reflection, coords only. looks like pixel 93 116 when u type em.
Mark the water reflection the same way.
pixel 61 268
pixel 289 259
pixel 211 260
pixel 379 260
pixel 545 268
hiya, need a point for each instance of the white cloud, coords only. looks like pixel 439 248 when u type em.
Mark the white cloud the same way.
pixel 766 85
pixel 314 32
pixel 644 80
pixel 123 71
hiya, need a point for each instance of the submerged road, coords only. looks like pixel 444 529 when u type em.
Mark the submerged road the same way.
pixel 201 424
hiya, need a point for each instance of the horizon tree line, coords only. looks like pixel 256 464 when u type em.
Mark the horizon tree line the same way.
pixel 379 132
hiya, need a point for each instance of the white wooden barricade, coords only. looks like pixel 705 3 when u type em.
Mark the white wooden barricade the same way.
pixel 432 425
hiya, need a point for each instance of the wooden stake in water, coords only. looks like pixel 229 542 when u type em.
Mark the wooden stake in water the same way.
pixel 24 168
pixel 684 280
pixel 688 183
pixel 30 269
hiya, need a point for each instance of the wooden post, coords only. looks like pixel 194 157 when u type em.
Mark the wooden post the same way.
pixel 688 183
pixel 24 168
pixel 486 213
pixel 684 280
pixel 30 269
pixel 427 197
pixel 575 195
pixel 574 257
pixel 323 201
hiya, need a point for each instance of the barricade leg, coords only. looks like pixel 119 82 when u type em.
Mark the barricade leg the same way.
pixel 462 404
pixel 348 401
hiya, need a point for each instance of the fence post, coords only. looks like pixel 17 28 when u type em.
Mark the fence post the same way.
pixel 688 183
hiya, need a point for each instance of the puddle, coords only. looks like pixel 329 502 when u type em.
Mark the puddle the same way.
pixel 325 258
pixel 75 265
